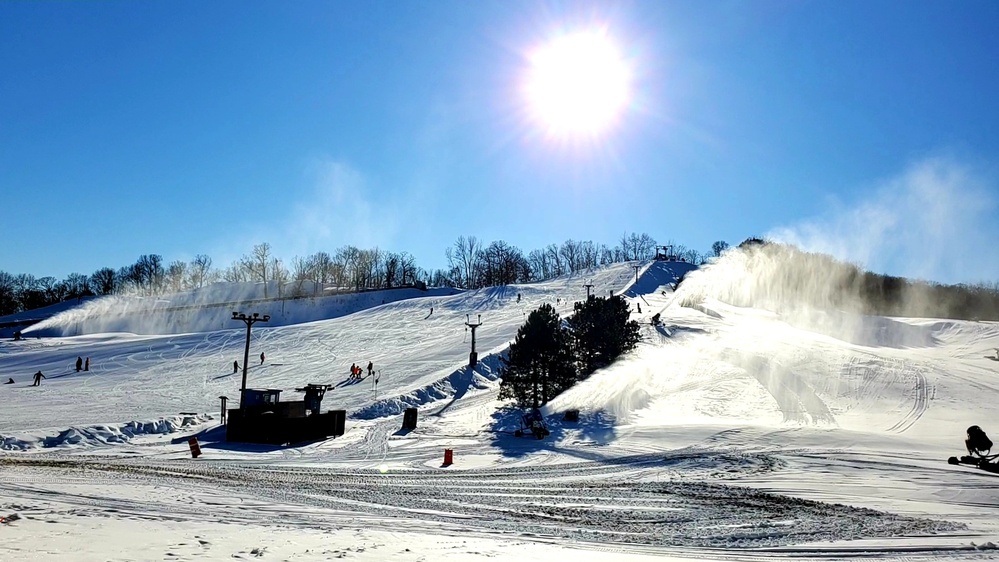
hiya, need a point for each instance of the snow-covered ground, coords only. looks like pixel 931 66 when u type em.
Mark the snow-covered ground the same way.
pixel 729 433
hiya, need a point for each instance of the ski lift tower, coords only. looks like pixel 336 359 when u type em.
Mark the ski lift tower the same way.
pixel 588 287
pixel 250 321
pixel 473 357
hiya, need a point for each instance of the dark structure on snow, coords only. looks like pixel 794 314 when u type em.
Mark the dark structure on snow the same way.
pixel 263 418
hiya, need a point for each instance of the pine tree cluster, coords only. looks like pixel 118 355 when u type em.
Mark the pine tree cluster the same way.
pixel 549 356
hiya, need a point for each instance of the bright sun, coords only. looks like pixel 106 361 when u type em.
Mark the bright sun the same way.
pixel 578 84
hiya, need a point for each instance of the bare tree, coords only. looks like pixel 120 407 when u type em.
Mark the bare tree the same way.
pixel 570 253
pixel 104 281
pixel 718 247
pixel 257 264
pixel 279 274
pixel 589 255
pixel 198 273
pixel 554 260
pixel 176 275
pixel 464 257
pixel 302 271
pixel 236 273
pixel 76 285
pixel 407 268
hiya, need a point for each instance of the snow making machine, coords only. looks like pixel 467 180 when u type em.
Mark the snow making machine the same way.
pixel 979 448
pixel 534 423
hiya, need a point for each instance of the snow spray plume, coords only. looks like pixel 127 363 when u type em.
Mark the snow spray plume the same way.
pixel 931 222
pixel 205 309
pixel 811 291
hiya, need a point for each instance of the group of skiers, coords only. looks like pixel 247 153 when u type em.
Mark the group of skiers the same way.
pixel 235 364
pixel 81 365
pixel 356 370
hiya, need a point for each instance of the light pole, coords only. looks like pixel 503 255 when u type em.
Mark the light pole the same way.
pixel 637 267
pixel 473 357
pixel 250 321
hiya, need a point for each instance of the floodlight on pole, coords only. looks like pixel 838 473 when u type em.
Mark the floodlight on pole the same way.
pixel 250 321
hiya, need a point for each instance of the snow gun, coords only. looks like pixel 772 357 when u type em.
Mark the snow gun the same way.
pixel 979 446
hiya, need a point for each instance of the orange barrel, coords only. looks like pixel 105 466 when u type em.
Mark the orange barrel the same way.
pixel 195 448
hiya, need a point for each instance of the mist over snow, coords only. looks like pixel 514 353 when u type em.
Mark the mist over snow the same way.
pixel 934 221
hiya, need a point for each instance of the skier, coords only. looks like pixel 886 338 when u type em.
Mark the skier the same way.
pixel 261 357
pixel 79 364
pixel 639 308
pixel 86 364
pixel 371 368
pixel 353 371
pixel 518 297
pixel 9 381
pixel 38 378
pixel 235 367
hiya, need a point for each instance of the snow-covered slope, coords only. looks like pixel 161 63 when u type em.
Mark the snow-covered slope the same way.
pixel 803 434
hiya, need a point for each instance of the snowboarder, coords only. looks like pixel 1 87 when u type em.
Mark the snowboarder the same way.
pixel 261 357
pixel 235 367
pixel 371 368
pixel 9 381
pixel 86 364
pixel 38 378
pixel 79 364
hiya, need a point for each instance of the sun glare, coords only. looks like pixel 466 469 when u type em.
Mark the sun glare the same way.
pixel 578 84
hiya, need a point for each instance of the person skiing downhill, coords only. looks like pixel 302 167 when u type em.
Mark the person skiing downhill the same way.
pixel 38 379
pixel 261 357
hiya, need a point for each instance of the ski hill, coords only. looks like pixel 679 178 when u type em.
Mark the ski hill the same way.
pixel 731 432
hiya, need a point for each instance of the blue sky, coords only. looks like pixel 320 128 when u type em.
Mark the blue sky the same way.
pixel 867 129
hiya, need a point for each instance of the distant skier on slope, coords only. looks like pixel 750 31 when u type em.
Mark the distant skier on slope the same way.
pixel 38 378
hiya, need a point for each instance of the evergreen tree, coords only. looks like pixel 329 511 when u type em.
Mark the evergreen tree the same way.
pixel 601 331
pixel 539 364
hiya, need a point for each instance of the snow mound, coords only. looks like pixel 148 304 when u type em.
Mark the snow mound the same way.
pixel 97 435
pixel 453 386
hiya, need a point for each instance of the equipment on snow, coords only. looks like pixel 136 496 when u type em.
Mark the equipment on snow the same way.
pixel 979 446
pixel 533 422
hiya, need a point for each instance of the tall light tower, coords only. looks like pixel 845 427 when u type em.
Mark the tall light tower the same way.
pixel 473 357
pixel 250 321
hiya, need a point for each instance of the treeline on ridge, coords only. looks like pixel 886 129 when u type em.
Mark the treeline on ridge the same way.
pixel 471 264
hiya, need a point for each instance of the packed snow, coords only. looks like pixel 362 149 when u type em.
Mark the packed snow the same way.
pixel 731 432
